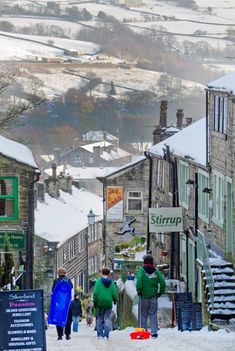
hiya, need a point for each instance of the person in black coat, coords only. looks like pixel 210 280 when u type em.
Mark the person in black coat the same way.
pixel 61 330
pixel 76 311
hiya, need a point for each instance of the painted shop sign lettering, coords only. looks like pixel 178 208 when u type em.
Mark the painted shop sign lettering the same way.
pixel 165 219
pixel 22 321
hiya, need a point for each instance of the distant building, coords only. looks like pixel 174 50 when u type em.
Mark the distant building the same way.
pixel 102 153
pixel 125 205
pixel 64 237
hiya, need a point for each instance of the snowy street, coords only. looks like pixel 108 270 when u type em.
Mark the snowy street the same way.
pixel 168 340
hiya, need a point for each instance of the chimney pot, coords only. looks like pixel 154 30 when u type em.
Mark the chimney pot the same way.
pixel 163 113
pixel 54 170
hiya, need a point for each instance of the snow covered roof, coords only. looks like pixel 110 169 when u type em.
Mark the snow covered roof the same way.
pixel 225 83
pixel 83 172
pixel 190 142
pixel 16 151
pixel 136 160
pixel 59 219
pixel 108 156
pixel 98 135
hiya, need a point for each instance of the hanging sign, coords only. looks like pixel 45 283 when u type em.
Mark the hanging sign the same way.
pixel 165 219
pixel 114 203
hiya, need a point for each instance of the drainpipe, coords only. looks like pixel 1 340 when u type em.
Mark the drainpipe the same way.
pixel 147 155
pixel 207 129
pixel 174 259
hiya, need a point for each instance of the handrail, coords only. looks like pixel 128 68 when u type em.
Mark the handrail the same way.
pixel 204 257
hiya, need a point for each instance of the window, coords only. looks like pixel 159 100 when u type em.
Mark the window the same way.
pixel 160 174
pixel 8 198
pixel 134 201
pixel 218 199
pixel 72 248
pixel 203 198
pixel 220 114
pixel 93 264
pixel 90 158
pixel 183 187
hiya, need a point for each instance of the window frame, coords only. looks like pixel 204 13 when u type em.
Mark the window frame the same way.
pixel 160 174
pixel 183 187
pixel 220 114
pixel 134 198
pixel 203 198
pixel 218 199
pixel 14 196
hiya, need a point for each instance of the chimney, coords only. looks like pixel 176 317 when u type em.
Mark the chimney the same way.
pixel 54 170
pixel 189 121
pixel 179 118
pixel 40 191
pixel 104 135
pixel 157 135
pixel 163 113
pixel 96 153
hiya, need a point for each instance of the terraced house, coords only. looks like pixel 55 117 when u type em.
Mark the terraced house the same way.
pixel 194 170
pixel 18 174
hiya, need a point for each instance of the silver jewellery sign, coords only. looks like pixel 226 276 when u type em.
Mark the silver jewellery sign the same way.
pixel 165 219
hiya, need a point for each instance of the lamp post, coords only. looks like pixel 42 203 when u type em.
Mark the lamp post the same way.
pixel 91 221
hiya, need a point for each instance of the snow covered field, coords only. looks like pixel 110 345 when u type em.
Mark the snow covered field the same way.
pixel 168 340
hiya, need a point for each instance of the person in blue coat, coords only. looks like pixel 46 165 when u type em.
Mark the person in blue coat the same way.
pixel 61 330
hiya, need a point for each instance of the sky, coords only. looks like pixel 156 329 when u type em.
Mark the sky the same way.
pixel 170 339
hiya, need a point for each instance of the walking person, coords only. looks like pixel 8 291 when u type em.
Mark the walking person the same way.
pixel 104 295
pixel 150 285
pixel 89 312
pixel 67 329
pixel 76 310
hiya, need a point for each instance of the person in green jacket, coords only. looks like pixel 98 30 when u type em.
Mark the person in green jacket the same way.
pixel 150 285
pixel 104 295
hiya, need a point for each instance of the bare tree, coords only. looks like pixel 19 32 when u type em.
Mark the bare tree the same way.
pixel 14 106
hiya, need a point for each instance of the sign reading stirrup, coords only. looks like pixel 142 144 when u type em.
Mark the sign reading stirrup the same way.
pixel 165 219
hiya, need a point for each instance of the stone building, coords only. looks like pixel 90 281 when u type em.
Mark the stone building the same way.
pixel 125 209
pixel 18 174
pixel 101 153
pixel 64 237
pixel 178 178
pixel 220 105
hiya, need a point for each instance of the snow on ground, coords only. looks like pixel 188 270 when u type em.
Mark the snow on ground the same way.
pixel 56 81
pixel 70 28
pixel 15 49
pixel 168 340
pixel 69 44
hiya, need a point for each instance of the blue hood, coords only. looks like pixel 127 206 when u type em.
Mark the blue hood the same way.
pixel 106 281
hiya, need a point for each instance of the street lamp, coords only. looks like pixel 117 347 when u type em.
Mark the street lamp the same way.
pixel 91 221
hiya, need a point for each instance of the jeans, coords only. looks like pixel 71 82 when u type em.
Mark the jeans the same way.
pixel 103 320
pixel 149 309
pixel 75 323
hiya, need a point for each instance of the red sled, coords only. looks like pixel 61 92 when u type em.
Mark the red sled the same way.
pixel 140 334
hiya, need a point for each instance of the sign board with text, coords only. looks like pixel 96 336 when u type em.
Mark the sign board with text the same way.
pixel 22 321
pixel 114 203
pixel 16 239
pixel 165 219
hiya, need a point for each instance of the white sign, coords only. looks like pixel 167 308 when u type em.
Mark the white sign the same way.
pixel 165 219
